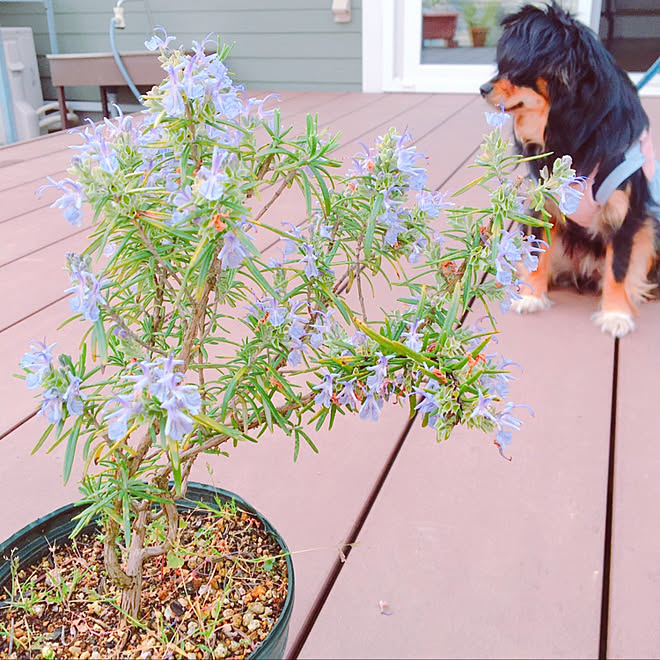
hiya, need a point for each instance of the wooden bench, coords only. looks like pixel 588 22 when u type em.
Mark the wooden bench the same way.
pixel 101 70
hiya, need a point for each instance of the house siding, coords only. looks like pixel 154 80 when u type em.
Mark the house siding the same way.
pixel 284 44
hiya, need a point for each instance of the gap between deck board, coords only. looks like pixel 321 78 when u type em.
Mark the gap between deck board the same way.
pixel 609 514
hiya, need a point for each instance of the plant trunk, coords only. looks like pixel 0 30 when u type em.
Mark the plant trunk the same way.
pixel 131 596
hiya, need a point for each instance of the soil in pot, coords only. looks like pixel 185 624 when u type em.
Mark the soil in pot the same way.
pixel 218 593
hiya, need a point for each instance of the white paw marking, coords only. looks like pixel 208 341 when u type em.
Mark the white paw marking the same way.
pixel 618 324
pixel 530 304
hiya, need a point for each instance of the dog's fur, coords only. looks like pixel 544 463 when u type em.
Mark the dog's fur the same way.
pixel 567 96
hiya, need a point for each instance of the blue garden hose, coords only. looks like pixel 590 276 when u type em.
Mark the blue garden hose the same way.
pixel 120 63
pixel 655 69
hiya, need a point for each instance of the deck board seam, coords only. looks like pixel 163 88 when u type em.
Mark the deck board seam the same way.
pixel 24 213
pixel 447 118
pixel 609 514
pixel 45 246
pixel 17 425
pixel 31 181
pixel 34 313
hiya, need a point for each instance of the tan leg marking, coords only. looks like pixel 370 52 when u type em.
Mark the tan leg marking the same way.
pixel 616 312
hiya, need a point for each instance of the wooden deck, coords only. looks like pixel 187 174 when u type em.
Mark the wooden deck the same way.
pixel 554 555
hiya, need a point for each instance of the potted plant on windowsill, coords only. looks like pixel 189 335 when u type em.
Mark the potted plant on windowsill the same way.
pixel 438 22
pixel 480 17
pixel 195 335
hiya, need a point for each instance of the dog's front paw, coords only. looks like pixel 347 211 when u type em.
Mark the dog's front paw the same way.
pixel 530 304
pixel 618 324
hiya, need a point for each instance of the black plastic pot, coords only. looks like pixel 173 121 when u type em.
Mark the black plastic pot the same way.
pixel 33 542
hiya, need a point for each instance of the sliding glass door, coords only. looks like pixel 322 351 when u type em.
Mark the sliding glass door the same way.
pixel 441 45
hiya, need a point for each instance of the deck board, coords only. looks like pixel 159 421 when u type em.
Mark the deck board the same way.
pixel 477 557
pixel 634 627
pixel 458 536
pixel 314 503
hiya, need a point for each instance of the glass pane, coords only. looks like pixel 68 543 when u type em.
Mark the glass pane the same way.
pixel 630 30
pixel 466 31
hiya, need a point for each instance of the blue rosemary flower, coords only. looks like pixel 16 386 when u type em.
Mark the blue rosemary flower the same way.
pixel 97 148
pixel 511 292
pixel 484 407
pixel 394 223
pixel 347 396
pixel 73 397
pixel 324 397
pixel 290 245
pixel 497 119
pixel 164 379
pixel 229 103
pixel 417 249
pixel 431 203
pixel 531 246
pixel 117 421
pixel 192 83
pixel 508 255
pixel 376 380
pixel 51 407
pixel 570 187
pixel 233 252
pixel 70 202
pixel 87 288
pixel 371 407
pixel 36 363
pixel 322 325
pixel 570 195
pixel 182 200
pixel 296 353
pixel 507 422
pixel 172 100
pixel 413 339
pixel 309 259
pixel 211 180
pixel 428 405
pixel 183 399
pixel 156 42
pixel 298 322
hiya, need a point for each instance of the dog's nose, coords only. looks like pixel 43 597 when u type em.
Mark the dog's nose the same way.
pixel 486 89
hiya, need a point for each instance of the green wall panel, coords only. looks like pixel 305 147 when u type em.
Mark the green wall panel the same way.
pixel 279 44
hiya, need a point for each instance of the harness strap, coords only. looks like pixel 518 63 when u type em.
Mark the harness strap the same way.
pixel 639 156
pixel 633 160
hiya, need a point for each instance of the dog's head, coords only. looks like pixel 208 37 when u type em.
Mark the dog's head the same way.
pixel 555 79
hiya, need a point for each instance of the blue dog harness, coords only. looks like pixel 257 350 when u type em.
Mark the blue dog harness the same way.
pixel 639 156
pixel 633 160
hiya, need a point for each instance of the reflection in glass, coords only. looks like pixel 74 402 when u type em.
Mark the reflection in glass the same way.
pixel 465 31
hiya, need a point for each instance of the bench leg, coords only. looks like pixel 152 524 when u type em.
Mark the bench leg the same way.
pixel 104 102
pixel 61 100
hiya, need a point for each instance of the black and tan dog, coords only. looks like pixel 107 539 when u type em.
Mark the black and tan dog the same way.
pixel 567 96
